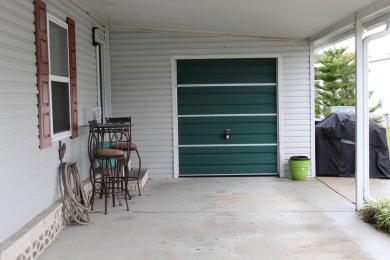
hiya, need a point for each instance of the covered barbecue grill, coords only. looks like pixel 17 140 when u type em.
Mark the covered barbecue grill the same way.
pixel 335 147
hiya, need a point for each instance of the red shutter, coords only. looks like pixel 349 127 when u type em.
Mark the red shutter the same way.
pixel 73 76
pixel 42 55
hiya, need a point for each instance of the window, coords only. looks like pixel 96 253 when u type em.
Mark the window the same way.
pixel 55 43
pixel 59 78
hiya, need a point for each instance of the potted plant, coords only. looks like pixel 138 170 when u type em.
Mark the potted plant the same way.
pixel 299 167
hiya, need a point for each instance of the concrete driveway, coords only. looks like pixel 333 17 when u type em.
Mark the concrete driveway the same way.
pixel 346 187
pixel 226 218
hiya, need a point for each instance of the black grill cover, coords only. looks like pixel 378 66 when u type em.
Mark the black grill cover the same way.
pixel 335 147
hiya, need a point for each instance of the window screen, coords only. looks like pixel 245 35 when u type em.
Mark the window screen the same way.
pixel 60 106
pixel 58 50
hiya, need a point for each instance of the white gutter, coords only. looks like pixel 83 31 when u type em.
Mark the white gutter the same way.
pixel 366 41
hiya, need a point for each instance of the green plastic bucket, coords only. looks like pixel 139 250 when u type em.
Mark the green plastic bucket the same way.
pixel 299 167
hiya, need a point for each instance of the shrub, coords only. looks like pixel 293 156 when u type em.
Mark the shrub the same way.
pixel 378 214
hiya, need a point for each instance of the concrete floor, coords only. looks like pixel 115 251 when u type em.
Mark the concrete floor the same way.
pixel 346 187
pixel 226 218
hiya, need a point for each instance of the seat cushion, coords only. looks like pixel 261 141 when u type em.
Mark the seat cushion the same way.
pixel 123 146
pixel 110 153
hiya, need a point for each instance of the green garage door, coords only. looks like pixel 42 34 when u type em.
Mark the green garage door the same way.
pixel 216 96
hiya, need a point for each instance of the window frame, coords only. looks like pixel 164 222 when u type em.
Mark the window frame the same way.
pixel 62 79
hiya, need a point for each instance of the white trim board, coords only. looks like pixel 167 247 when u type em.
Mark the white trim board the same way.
pixel 175 123
pixel 279 95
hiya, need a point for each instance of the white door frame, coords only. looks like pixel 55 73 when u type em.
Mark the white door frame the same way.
pixel 279 92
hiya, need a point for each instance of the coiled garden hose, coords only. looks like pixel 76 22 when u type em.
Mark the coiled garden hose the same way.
pixel 76 205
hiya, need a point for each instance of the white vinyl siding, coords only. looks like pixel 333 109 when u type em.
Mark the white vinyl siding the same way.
pixel 29 176
pixel 142 88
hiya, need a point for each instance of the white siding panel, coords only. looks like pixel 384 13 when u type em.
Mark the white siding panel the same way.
pixel 141 87
pixel 13 64
pixel 294 82
pixel 296 105
pixel 15 51
pixel 293 122
pixel 11 17
pixel 29 177
pixel 296 93
pixel 294 100
pixel 294 128
pixel 16 30
pixel 9 75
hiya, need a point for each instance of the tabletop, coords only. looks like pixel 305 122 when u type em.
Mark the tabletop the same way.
pixel 113 125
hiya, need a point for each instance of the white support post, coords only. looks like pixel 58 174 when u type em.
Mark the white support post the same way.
pixel 366 180
pixel 312 113
pixel 362 123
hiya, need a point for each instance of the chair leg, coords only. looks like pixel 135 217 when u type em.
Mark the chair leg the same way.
pixel 119 180
pixel 106 190
pixel 126 191
pixel 93 182
pixel 112 180
pixel 126 169
pixel 139 171
pixel 101 191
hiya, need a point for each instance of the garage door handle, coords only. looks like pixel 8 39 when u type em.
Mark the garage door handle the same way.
pixel 227 133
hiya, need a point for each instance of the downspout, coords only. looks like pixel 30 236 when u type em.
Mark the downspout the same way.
pixel 366 41
pixel 98 46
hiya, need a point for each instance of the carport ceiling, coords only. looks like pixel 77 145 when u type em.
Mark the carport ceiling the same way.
pixel 294 19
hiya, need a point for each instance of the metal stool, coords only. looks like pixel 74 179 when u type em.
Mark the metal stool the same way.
pixel 106 168
pixel 127 146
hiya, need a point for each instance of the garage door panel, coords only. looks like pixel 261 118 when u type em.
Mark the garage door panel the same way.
pixel 211 68
pixel 210 170
pixel 227 159
pixel 214 71
pixel 225 62
pixel 230 109
pixel 227 99
pixel 228 150
pixel 214 133
pixel 203 130
pixel 228 119
pixel 235 139
pixel 218 128
pixel 228 79
pixel 211 100
pixel 211 89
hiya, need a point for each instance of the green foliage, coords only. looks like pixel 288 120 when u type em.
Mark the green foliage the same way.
pixel 378 214
pixel 336 85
